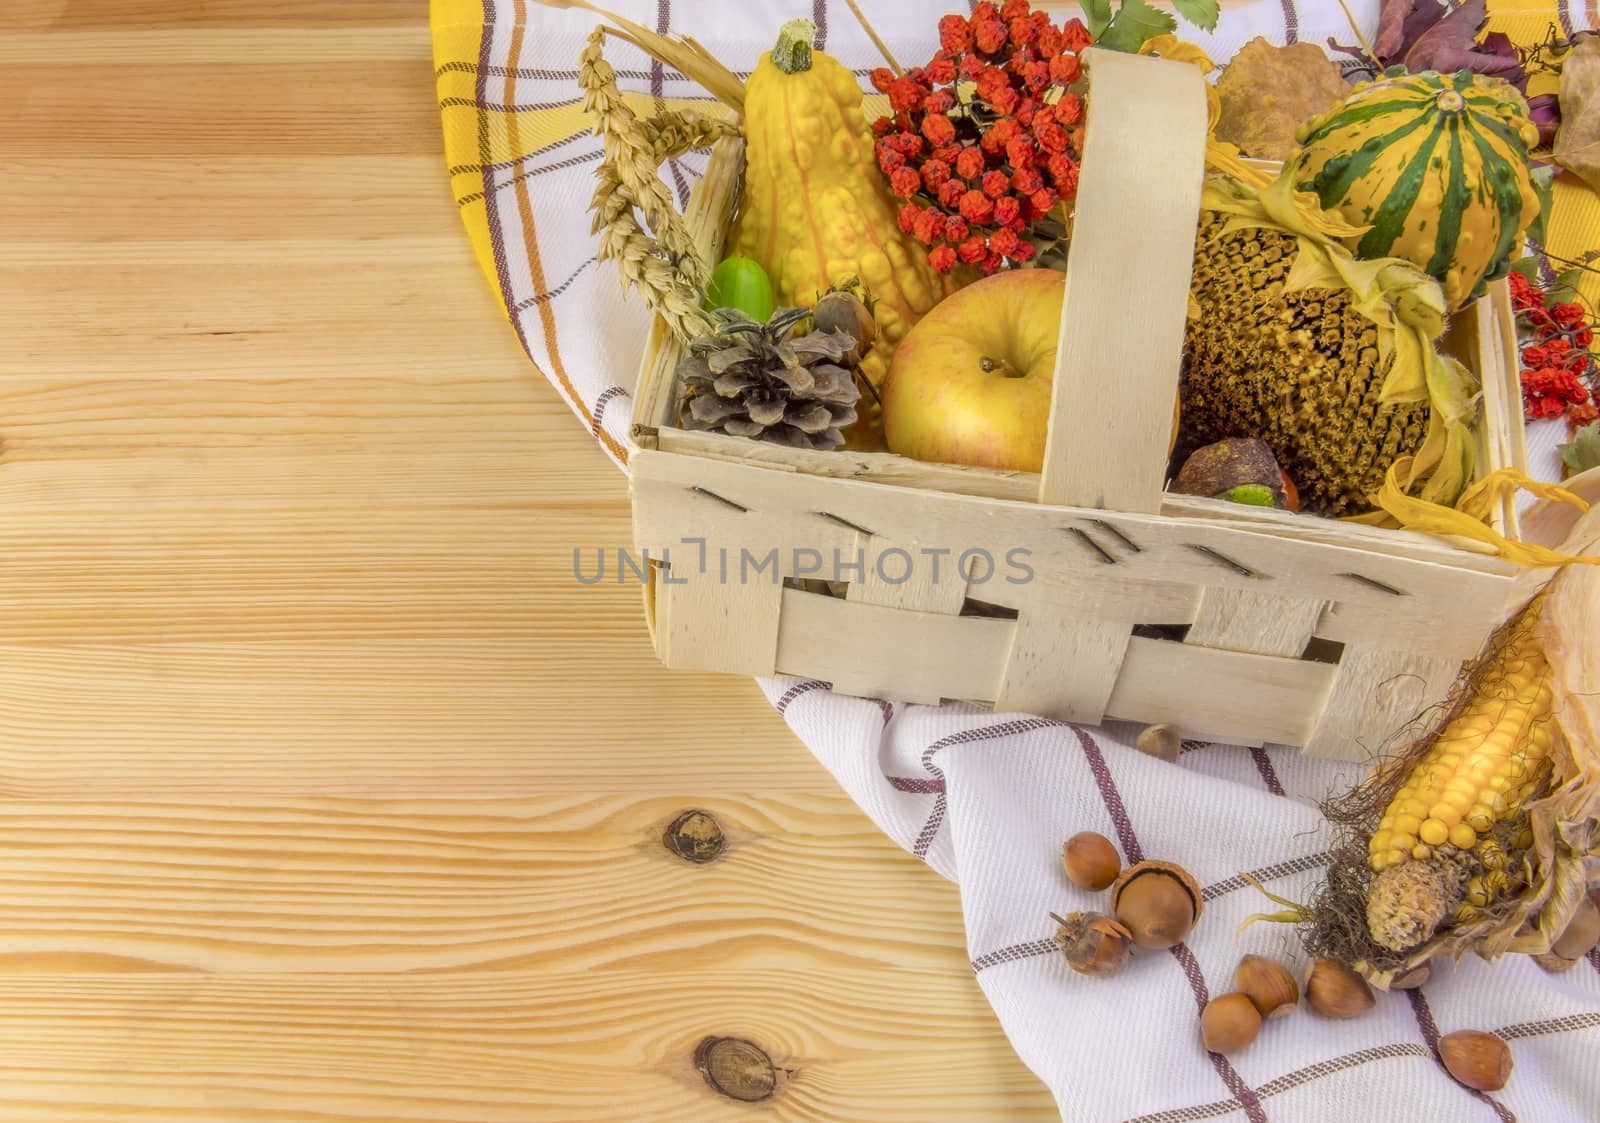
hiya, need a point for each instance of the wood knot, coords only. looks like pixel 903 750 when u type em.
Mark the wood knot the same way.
pixel 736 1068
pixel 695 836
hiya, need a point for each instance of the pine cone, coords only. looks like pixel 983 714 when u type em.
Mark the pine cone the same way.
pixel 749 379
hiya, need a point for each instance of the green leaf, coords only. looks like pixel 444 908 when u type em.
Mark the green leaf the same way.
pixel 1584 452
pixel 1097 16
pixel 1528 267
pixel 1544 185
pixel 1135 23
pixel 1202 13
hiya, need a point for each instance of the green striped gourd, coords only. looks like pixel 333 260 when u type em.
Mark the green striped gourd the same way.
pixel 1436 165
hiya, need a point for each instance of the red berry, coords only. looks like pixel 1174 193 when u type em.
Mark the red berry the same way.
pixel 1074 36
pixel 951 192
pixel 946 152
pixel 942 258
pixel 942 71
pixel 889 159
pixel 930 227
pixel 955 34
pixel 905 182
pixel 1052 137
pixel 1007 210
pixel 938 129
pixel 977 207
pixel 934 174
pixel 1021 32
pixel 1023 252
pixel 989 35
pixel 881 126
pixel 1026 180
pixel 956 229
pixel 1065 69
pixel 882 79
pixel 1048 43
pixel 992 263
pixel 971 68
pixel 1021 154
pixel 905 96
pixel 940 102
pixel 1004 242
pixel 1041 201
pixel 972 249
pixel 908 217
pixel 1006 100
pixel 995 184
pixel 1014 10
pixel 1036 75
pixel 1069 110
pixel 969 165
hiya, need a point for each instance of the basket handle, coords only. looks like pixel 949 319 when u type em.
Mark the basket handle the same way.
pixel 1127 291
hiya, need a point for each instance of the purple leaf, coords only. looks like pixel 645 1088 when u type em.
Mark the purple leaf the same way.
pixel 1451 45
pixel 1401 23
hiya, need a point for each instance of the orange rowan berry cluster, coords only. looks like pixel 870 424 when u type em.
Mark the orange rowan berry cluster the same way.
pixel 985 140
pixel 1558 369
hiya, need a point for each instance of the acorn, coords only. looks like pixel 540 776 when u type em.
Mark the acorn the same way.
pixel 1269 985
pixel 1092 942
pixel 1335 991
pixel 1229 1023
pixel 1091 861
pixel 1158 902
pixel 842 309
pixel 1582 932
pixel 1479 1060
pixel 1161 741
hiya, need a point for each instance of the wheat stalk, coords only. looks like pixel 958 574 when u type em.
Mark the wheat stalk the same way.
pixel 662 262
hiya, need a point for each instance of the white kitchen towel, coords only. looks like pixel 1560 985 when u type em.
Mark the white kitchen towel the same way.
pixel 987 799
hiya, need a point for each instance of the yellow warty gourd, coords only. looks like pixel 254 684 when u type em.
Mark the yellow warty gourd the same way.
pixel 815 211
pixel 1441 846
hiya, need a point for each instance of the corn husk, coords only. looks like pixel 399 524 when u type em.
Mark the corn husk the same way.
pixel 1565 855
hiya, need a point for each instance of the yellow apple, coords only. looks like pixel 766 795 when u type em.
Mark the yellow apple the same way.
pixel 970 383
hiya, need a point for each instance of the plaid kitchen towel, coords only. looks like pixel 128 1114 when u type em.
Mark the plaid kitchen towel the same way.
pixel 986 799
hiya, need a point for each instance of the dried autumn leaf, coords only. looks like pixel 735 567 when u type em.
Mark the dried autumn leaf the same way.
pixel 1267 92
pixel 1578 143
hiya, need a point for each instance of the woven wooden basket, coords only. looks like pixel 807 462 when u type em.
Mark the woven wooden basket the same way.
pixel 1238 624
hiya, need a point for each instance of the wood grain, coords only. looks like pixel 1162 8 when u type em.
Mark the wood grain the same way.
pixel 328 793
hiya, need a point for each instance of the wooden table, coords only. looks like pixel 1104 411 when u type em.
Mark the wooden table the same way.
pixel 329 794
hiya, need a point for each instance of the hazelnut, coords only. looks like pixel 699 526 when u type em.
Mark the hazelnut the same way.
pixel 1158 902
pixel 1477 1059
pixel 1335 991
pixel 1091 861
pixel 1413 977
pixel 1229 1023
pixel 1582 932
pixel 1269 985
pixel 1093 943
pixel 1160 741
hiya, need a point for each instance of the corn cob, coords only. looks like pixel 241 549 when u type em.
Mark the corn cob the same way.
pixel 1449 841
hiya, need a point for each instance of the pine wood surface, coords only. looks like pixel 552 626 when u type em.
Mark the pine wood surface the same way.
pixel 327 794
